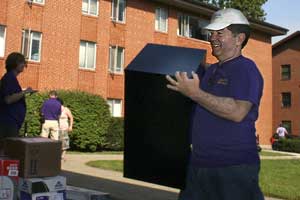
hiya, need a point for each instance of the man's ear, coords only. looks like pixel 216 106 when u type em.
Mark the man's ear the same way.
pixel 240 38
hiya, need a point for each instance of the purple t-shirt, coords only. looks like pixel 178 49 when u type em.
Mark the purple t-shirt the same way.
pixel 51 109
pixel 218 142
pixel 11 113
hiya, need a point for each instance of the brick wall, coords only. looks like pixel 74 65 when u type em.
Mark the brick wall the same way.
pixel 287 53
pixel 63 26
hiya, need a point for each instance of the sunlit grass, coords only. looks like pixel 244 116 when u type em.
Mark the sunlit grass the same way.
pixel 278 178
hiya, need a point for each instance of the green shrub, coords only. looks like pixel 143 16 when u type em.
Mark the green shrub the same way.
pixel 114 138
pixel 91 118
pixel 289 145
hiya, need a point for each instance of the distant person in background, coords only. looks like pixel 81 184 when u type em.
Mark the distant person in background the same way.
pixel 281 131
pixel 12 97
pixel 65 126
pixel 51 111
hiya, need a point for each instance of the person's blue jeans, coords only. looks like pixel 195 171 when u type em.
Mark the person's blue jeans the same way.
pixel 228 183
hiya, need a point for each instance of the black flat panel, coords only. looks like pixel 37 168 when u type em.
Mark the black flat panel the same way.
pixel 162 59
pixel 157 119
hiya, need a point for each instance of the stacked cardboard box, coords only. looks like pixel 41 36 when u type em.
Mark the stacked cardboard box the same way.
pixel 9 170
pixel 39 157
pixel 43 188
pixel 40 165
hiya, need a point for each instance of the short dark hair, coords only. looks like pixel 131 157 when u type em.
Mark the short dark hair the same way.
pixel 240 28
pixel 13 60
pixel 53 93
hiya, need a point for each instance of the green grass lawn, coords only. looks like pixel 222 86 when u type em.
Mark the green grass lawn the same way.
pixel 281 178
pixel 115 165
pixel 278 178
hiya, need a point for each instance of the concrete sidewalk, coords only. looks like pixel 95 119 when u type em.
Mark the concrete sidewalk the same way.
pixel 80 175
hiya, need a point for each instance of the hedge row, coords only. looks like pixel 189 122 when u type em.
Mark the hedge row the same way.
pixel 94 129
pixel 289 145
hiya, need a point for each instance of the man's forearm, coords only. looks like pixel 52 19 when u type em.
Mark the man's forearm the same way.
pixel 224 107
pixel 14 97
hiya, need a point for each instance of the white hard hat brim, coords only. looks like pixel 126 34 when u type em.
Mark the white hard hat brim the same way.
pixel 216 26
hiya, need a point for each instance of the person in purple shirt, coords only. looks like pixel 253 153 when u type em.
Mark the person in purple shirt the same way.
pixel 51 110
pixel 224 162
pixel 12 97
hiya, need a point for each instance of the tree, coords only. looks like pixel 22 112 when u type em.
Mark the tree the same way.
pixel 251 8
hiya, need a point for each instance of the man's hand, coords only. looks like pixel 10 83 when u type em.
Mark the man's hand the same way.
pixel 183 84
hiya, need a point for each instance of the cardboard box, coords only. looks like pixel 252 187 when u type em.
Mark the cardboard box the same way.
pixel 43 188
pixel 9 170
pixel 45 196
pixel 39 157
pixel 7 188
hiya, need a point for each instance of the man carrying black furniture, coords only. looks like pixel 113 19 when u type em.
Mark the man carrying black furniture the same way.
pixel 224 161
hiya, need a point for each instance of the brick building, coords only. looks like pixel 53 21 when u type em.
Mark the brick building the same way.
pixel 85 44
pixel 286 84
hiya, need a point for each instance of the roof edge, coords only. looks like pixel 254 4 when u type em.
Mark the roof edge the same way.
pixel 208 10
pixel 286 39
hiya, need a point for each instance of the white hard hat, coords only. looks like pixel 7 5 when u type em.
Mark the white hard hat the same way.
pixel 223 18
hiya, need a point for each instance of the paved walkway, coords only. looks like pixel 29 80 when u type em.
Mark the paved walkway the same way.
pixel 120 188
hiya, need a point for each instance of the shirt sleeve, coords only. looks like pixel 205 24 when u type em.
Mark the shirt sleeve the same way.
pixel 247 84
pixel 10 85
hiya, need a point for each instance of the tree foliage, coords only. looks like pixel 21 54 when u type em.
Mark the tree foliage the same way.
pixel 251 8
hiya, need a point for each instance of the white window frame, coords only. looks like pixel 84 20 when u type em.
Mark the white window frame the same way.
pixel 2 46
pixel 115 12
pixel 113 66
pixel 159 19
pixel 183 30
pixel 112 103
pixel 86 55
pixel 184 27
pixel 36 1
pixel 88 11
pixel 28 47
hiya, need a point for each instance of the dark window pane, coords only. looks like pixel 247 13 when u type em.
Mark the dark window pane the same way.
pixel 286 99
pixel 286 72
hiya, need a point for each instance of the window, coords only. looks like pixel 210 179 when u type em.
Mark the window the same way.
pixel 31 45
pixel 118 10
pixel 161 19
pixel 2 40
pixel 286 99
pixel 87 55
pixel 192 27
pixel 287 125
pixel 36 1
pixel 115 107
pixel 116 59
pixel 285 72
pixel 90 7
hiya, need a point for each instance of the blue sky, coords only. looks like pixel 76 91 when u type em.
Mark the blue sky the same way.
pixel 284 13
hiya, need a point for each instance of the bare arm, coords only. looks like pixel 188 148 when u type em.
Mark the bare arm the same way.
pixel 71 118
pixel 224 107
pixel 17 96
